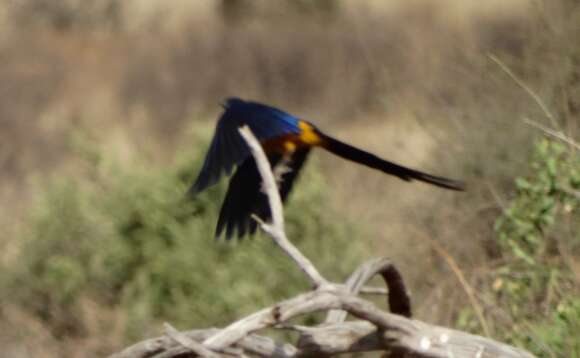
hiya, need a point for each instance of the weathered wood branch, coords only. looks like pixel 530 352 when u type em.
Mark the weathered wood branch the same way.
pixel 165 346
pixel 398 297
pixel 375 330
pixel 276 228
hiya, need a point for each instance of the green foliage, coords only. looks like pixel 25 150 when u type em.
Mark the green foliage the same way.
pixel 556 333
pixel 523 228
pixel 126 239
pixel 536 289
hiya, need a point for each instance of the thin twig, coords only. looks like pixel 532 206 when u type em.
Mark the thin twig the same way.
pixel 268 180
pixel 556 134
pixel 570 191
pixel 276 228
pixel 526 88
pixel 398 297
pixel 188 343
pixel 463 281
pixel 379 291
pixel 500 203
pixel 378 330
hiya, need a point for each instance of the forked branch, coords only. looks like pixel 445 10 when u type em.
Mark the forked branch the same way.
pixel 276 228
pixel 393 333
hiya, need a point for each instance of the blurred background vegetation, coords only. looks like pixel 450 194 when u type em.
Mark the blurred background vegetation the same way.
pixel 106 108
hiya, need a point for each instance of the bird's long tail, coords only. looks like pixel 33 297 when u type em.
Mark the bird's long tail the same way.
pixel 360 156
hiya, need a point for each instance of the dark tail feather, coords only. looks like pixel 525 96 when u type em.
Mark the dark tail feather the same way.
pixel 349 152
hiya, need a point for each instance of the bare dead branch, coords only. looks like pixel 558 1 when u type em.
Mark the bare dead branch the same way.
pixel 188 343
pixel 375 330
pixel 252 344
pixel 276 228
pixel 429 341
pixel 268 317
pixel 398 297
pixel 374 291
pixel 379 331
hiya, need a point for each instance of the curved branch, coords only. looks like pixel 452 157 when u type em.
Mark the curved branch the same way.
pixel 398 297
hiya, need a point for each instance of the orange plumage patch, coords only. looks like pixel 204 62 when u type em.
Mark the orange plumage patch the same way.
pixel 308 137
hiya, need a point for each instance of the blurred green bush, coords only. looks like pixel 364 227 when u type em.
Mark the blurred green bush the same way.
pixel 534 298
pixel 125 238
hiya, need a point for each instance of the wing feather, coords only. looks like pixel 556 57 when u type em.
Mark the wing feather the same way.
pixel 245 197
pixel 227 148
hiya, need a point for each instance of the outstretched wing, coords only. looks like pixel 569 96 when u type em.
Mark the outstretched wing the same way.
pixel 228 149
pixel 245 197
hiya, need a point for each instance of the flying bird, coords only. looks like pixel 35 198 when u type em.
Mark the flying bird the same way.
pixel 286 140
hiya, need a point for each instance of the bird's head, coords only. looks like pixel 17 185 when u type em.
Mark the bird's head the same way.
pixel 231 102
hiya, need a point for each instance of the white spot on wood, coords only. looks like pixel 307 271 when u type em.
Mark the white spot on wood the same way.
pixel 479 353
pixel 425 343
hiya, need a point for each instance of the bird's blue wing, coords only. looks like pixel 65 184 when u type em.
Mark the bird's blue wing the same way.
pixel 228 149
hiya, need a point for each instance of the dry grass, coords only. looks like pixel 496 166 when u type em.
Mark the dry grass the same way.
pixel 409 80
